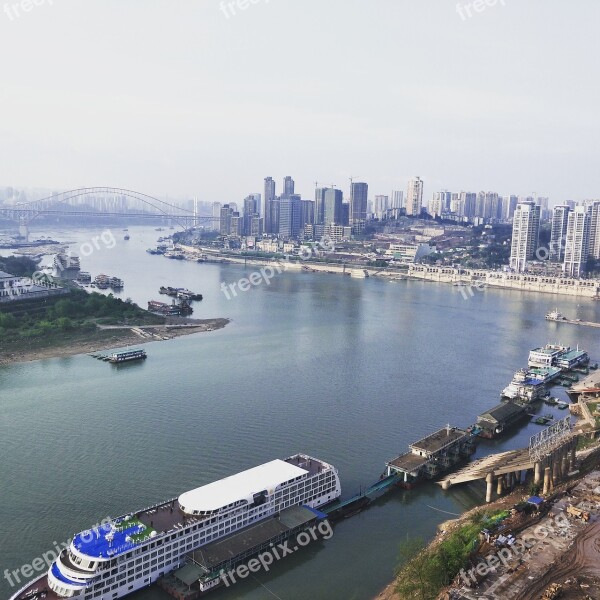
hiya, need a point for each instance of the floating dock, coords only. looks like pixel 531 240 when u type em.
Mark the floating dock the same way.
pixel 498 419
pixel 432 455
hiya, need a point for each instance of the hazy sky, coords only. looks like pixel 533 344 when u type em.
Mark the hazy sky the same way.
pixel 173 96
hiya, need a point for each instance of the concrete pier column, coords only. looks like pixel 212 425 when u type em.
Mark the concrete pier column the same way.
pixel 500 486
pixel 490 489
pixel 565 466
pixel 546 481
pixel 508 481
pixel 537 477
pixel 556 473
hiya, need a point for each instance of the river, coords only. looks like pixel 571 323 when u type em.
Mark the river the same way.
pixel 348 370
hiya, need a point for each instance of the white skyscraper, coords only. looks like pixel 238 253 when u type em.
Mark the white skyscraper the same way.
pixel 560 217
pixel 577 242
pixel 216 214
pixel 525 236
pixel 414 197
pixel 594 238
pixel 397 199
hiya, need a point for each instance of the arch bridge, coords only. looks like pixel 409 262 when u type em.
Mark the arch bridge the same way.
pixel 114 204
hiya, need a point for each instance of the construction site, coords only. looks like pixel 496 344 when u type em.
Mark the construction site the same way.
pixel 545 548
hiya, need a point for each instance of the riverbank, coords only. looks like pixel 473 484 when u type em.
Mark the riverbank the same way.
pixel 527 574
pixel 100 340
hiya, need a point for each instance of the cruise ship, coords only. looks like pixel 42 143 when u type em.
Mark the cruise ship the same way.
pixel 135 550
pixel 555 355
pixel 530 384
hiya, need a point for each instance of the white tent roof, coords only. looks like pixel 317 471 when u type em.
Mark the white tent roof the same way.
pixel 241 486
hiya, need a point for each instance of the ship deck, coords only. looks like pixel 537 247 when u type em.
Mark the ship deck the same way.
pixel 36 591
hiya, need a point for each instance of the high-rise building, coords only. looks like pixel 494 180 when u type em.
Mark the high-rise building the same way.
pixel 288 186
pixel 269 196
pixel 359 194
pixel 510 206
pixel 558 233
pixel 468 201
pixel 308 213
pixel 414 197
pixel 436 205
pixel 345 214
pixel 397 199
pixel 381 206
pixel 225 219
pixel 216 216
pixel 594 237
pixel 332 207
pixel 577 242
pixel 525 235
pixel 319 205
pixel 250 205
pixel 290 215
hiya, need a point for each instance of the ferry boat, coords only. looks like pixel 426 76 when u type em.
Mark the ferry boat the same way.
pixel 555 316
pixel 121 357
pixel 135 550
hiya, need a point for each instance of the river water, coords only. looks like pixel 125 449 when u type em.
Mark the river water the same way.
pixel 348 370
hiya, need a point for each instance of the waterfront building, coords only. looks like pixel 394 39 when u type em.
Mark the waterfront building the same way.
pixel 414 197
pixel 594 236
pixel 577 242
pixel 290 208
pixel 19 289
pixel 525 235
pixel 408 253
pixel 359 193
pixel 558 234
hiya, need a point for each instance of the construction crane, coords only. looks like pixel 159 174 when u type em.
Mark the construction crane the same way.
pixel 332 185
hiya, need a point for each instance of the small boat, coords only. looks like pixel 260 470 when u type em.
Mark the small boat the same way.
pixel 555 316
